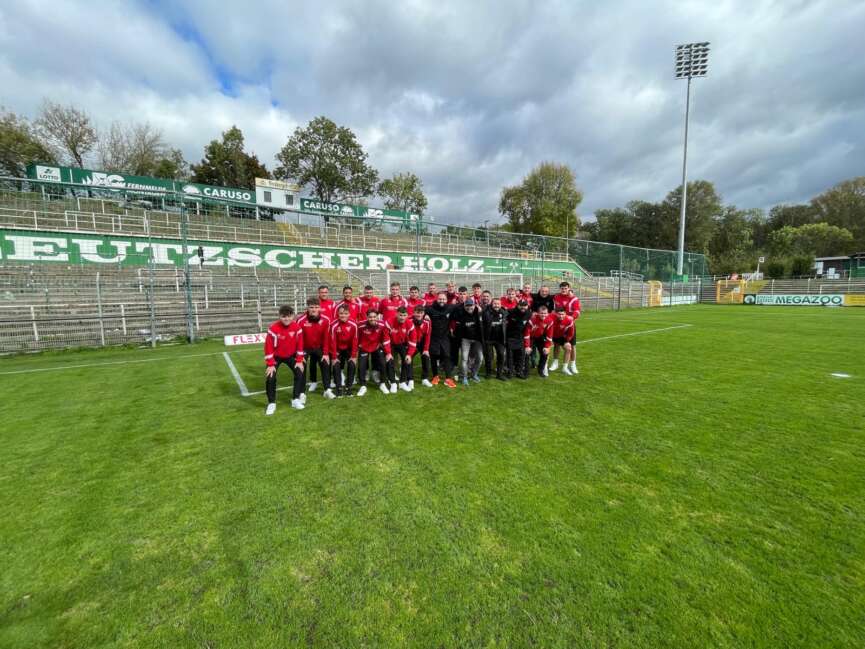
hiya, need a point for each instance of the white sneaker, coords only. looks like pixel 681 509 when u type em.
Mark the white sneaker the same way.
pixel 383 388
pixel 361 391
pixel 393 388
pixel 271 408
pixel 297 404
pixel 567 370
pixel 302 397
pixel 426 383
pixel 313 386
pixel 376 376
pixel 574 369
pixel 410 386
pixel 554 365
pixel 546 372
pixel 404 387
pixel 328 394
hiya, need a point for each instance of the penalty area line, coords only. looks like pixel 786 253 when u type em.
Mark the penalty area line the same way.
pixel 244 391
pixel 633 333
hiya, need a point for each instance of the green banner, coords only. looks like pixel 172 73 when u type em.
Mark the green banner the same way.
pixel 72 248
pixel 138 184
pixel 315 206
pixel 825 299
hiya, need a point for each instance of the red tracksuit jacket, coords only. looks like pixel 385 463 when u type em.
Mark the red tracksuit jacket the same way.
pixel 343 335
pixel 403 334
pixel 388 307
pixel 372 337
pixel 508 303
pixel 422 331
pixel 327 308
pixel 283 342
pixel 315 334
pixel 366 305
pixel 563 328
pixel 541 328
pixel 353 308
pixel 429 298
pixel 570 302
pixel 412 303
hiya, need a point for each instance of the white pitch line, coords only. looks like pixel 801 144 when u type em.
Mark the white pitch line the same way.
pixel 58 368
pixel 243 391
pixel 633 333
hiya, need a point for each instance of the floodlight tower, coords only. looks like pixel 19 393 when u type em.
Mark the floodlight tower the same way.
pixel 692 60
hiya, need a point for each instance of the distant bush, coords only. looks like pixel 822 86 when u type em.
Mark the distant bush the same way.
pixel 801 265
pixel 776 269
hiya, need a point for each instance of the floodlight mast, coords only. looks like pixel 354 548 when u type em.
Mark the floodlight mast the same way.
pixel 692 60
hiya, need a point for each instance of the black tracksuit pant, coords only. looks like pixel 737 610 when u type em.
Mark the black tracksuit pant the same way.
pixel 538 346
pixel 400 356
pixel 372 361
pixel 500 353
pixel 516 357
pixel 440 355
pixel 343 360
pixel 456 343
pixel 270 381
pixel 313 362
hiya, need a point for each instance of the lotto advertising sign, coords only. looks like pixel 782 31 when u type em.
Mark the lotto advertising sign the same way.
pixel 826 299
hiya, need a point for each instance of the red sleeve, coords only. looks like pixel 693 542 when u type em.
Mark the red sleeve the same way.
pixel 269 347
pixel 548 335
pixel 298 356
pixel 326 343
pixel 527 334
pixel 385 340
pixel 427 336
pixel 412 342
pixel 575 307
pixel 569 332
pixel 354 342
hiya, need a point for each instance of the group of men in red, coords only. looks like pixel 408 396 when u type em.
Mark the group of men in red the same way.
pixel 454 332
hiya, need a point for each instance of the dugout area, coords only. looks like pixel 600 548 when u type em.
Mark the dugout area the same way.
pixel 698 484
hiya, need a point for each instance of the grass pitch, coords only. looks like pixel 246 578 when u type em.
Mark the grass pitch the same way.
pixel 695 486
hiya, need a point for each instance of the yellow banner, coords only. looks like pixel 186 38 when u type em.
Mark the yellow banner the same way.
pixel 854 300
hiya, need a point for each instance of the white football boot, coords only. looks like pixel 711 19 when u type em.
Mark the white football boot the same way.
pixel 361 391
pixel 297 404
pixel 271 408
pixel 393 388
pixel 554 365
pixel 312 386
pixel 383 388
pixel 426 383
pixel 328 394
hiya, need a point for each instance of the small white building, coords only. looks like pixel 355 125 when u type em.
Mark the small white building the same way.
pixel 276 194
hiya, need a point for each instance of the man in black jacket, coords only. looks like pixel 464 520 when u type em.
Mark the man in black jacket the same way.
pixel 440 313
pixel 494 319
pixel 470 332
pixel 517 338
pixel 543 298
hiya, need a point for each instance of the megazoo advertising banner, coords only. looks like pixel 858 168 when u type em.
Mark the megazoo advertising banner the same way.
pixel 826 299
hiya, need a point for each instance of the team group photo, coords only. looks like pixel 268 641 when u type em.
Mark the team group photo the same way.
pixel 455 332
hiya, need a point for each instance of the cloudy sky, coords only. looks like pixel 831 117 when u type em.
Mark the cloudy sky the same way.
pixel 471 95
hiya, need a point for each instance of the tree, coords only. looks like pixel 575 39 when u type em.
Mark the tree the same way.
pixel 403 192
pixel 226 164
pixel 792 215
pixel 812 239
pixel 544 203
pixel 328 158
pixel 20 146
pixel 174 166
pixel 68 130
pixel 139 150
pixel 731 245
pixel 844 206
pixel 612 225
pixel 703 209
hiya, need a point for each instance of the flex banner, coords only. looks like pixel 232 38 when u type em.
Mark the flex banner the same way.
pixel 72 248
pixel 826 299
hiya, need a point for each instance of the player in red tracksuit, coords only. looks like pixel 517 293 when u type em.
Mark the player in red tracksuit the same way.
pixel 316 342
pixel 367 301
pixel 389 305
pixel 351 302
pixel 477 293
pixel 571 304
pixel 430 296
pixel 563 336
pixel 343 350
pixel 327 305
pixel 403 345
pixel 283 343
pixel 541 326
pixel 510 300
pixel 374 350
pixel 526 294
pixel 414 299
pixel 451 293
pixel 422 332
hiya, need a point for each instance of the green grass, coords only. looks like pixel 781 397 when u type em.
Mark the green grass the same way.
pixel 703 486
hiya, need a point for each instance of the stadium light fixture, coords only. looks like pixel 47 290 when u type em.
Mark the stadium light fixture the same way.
pixel 692 60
